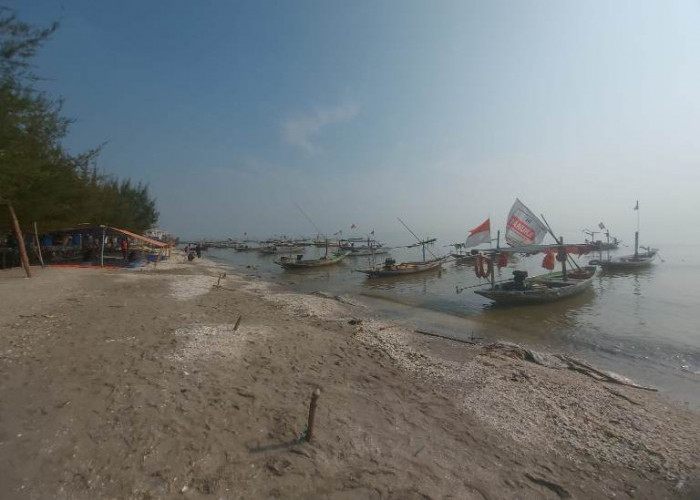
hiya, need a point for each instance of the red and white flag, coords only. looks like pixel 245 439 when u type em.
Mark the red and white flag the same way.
pixel 479 235
pixel 523 227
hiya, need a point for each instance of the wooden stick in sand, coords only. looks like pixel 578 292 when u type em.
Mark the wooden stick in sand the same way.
pixel 312 414
pixel 38 245
pixel 238 322
pixel 20 241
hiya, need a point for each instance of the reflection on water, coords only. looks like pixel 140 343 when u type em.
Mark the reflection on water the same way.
pixel 641 323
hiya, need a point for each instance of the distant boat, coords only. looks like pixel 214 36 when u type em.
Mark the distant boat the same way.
pixel 246 248
pixel 274 249
pixel 301 263
pixel 635 261
pixel 367 252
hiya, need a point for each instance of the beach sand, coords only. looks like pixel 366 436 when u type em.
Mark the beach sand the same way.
pixel 136 384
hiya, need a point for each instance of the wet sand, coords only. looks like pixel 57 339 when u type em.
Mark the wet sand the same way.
pixel 136 384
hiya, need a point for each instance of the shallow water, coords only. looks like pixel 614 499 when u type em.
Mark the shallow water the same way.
pixel 642 324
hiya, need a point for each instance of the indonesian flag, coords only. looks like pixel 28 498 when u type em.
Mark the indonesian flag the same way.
pixel 523 227
pixel 479 235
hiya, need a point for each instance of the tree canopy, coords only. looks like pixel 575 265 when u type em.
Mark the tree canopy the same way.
pixel 44 182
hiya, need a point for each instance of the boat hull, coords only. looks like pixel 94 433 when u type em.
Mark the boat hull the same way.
pixel 548 288
pixel 403 269
pixel 628 262
pixel 308 264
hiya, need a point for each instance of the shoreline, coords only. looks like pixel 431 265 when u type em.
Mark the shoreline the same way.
pixel 675 385
pixel 400 413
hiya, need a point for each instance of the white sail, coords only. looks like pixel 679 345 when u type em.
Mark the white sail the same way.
pixel 523 227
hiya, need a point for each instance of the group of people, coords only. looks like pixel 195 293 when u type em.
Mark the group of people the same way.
pixel 192 250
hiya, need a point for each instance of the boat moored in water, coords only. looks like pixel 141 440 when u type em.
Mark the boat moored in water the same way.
pixel 391 268
pixel 551 287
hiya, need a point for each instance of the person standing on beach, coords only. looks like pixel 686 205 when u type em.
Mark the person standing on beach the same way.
pixel 124 245
pixel 198 250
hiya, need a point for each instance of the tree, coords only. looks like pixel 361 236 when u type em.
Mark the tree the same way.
pixel 43 181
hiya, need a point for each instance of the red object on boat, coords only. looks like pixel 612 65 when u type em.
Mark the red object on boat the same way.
pixel 548 261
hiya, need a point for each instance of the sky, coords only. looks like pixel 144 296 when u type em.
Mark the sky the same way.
pixel 359 112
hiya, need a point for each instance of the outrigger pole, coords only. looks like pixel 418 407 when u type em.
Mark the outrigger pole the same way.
pixel 422 243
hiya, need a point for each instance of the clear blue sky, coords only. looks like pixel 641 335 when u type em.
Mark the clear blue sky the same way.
pixel 441 113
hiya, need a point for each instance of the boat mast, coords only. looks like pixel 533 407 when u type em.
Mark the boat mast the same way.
pixel 636 233
pixel 493 259
pixel 421 242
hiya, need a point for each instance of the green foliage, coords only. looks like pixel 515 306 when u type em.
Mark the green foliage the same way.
pixel 37 175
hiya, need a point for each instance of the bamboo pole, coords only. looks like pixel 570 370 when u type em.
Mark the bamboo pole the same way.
pixel 38 244
pixel 20 241
pixel 102 252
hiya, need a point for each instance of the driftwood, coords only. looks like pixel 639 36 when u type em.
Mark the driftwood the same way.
pixel 561 361
pixel 433 334
pixel 585 368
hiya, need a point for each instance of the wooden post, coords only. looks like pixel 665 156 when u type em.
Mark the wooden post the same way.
pixel 102 253
pixel 20 241
pixel 38 244
pixel 312 414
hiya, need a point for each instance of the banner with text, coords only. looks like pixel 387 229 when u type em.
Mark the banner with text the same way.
pixel 523 227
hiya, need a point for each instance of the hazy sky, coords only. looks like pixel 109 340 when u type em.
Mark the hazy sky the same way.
pixel 441 113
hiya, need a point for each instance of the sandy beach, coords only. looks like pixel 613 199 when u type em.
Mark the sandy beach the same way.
pixel 137 384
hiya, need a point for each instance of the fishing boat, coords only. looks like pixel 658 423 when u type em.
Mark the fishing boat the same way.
pixel 525 232
pixel 391 268
pixel 629 262
pixel 275 249
pixel 551 287
pixel 300 263
pixel 635 261
pixel 246 248
pixel 368 252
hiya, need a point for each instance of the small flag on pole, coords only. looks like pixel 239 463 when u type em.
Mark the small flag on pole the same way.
pixel 636 207
pixel 601 225
pixel 372 233
pixel 353 226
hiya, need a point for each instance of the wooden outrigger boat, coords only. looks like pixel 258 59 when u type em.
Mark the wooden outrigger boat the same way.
pixel 391 268
pixel 275 249
pixel 635 261
pixel 629 262
pixel 541 289
pixel 524 228
pixel 300 263
pixel 367 252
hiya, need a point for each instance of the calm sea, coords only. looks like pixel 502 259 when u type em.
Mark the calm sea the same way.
pixel 643 324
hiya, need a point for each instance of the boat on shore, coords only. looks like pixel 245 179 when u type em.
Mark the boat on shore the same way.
pixel 300 263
